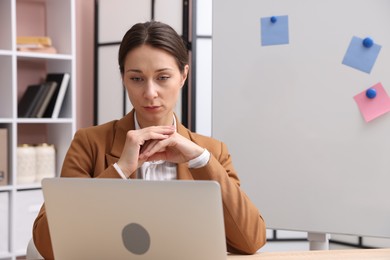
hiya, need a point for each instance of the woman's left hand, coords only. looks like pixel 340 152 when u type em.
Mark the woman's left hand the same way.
pixel 175 149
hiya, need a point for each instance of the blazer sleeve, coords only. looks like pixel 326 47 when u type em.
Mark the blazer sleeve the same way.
pixel 84 159
pixel 87 156
pixel 244 226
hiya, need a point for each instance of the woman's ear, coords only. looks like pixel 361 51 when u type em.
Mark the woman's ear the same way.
pixel 185 74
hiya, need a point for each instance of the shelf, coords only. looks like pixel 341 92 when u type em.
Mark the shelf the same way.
pixel 44 120
pixel 21 187
pixel 5 256
pixel 5 52
pixel 24 187
pixel 48 56
pixel 4 120
pixel 20 69
pixel 5 188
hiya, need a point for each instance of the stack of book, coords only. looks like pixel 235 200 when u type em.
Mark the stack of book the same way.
pixel 35 44
pixel 45 99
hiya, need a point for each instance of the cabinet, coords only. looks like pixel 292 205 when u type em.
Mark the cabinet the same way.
pixel 19 204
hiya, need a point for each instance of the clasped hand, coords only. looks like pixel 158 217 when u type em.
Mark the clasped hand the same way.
pixel 156 143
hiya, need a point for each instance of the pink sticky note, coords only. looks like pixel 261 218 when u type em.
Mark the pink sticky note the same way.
pixel 371 108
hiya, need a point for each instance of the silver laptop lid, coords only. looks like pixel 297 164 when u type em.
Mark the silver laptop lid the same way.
pixel 135 219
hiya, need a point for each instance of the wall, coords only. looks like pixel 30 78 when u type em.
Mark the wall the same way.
pixel 85 61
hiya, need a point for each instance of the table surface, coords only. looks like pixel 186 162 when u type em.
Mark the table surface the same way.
pixel 354 254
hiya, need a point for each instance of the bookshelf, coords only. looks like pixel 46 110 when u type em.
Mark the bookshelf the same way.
pixel 20 203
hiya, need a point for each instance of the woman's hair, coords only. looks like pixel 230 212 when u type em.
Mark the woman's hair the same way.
pixel 155 34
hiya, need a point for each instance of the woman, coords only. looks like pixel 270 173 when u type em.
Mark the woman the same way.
pixel 149 142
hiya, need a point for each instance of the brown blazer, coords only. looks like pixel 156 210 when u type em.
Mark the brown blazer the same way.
pixel 94 150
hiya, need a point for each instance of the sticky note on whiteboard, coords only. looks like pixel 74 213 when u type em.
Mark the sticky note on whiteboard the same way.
pixel 373 102
pixel 274 30
pixel 361 54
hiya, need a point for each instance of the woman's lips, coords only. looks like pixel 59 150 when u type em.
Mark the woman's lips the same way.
pixel 151 108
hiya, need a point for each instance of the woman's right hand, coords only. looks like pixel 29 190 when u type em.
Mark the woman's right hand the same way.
pixel 135 140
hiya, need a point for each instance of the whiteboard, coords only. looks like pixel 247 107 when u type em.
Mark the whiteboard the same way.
pixel 304 153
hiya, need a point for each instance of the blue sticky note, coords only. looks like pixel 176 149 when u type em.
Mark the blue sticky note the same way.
pixel 361 56
pixel 274 30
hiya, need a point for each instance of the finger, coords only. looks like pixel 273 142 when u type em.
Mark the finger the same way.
pixel 159 129
pixel 150 135
pixel 148 145
pixel 146 151
pixel 156 147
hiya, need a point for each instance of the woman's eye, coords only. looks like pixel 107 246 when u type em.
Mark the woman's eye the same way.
pixel 163 77
pixel 136 79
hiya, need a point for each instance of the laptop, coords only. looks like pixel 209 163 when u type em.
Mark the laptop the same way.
pixel 135 219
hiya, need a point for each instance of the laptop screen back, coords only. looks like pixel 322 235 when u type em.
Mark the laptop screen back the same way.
pixel 117 219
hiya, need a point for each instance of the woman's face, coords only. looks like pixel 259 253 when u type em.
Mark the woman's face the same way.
pixel 153 82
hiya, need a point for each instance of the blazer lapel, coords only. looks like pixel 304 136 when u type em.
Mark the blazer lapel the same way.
pixel 111 159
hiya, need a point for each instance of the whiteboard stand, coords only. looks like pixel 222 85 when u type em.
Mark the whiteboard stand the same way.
pixel 318 241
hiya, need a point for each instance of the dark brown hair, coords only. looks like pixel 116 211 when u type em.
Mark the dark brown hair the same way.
pixel 156 34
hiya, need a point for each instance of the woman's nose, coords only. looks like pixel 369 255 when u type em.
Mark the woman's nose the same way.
pixel 150 90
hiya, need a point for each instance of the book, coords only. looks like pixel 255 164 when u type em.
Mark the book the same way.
pixel 33 40
pixel 42 44
pixel 43 102
pixel 29 100
pixel 55 104
pixel 3 156
pixel 38 49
